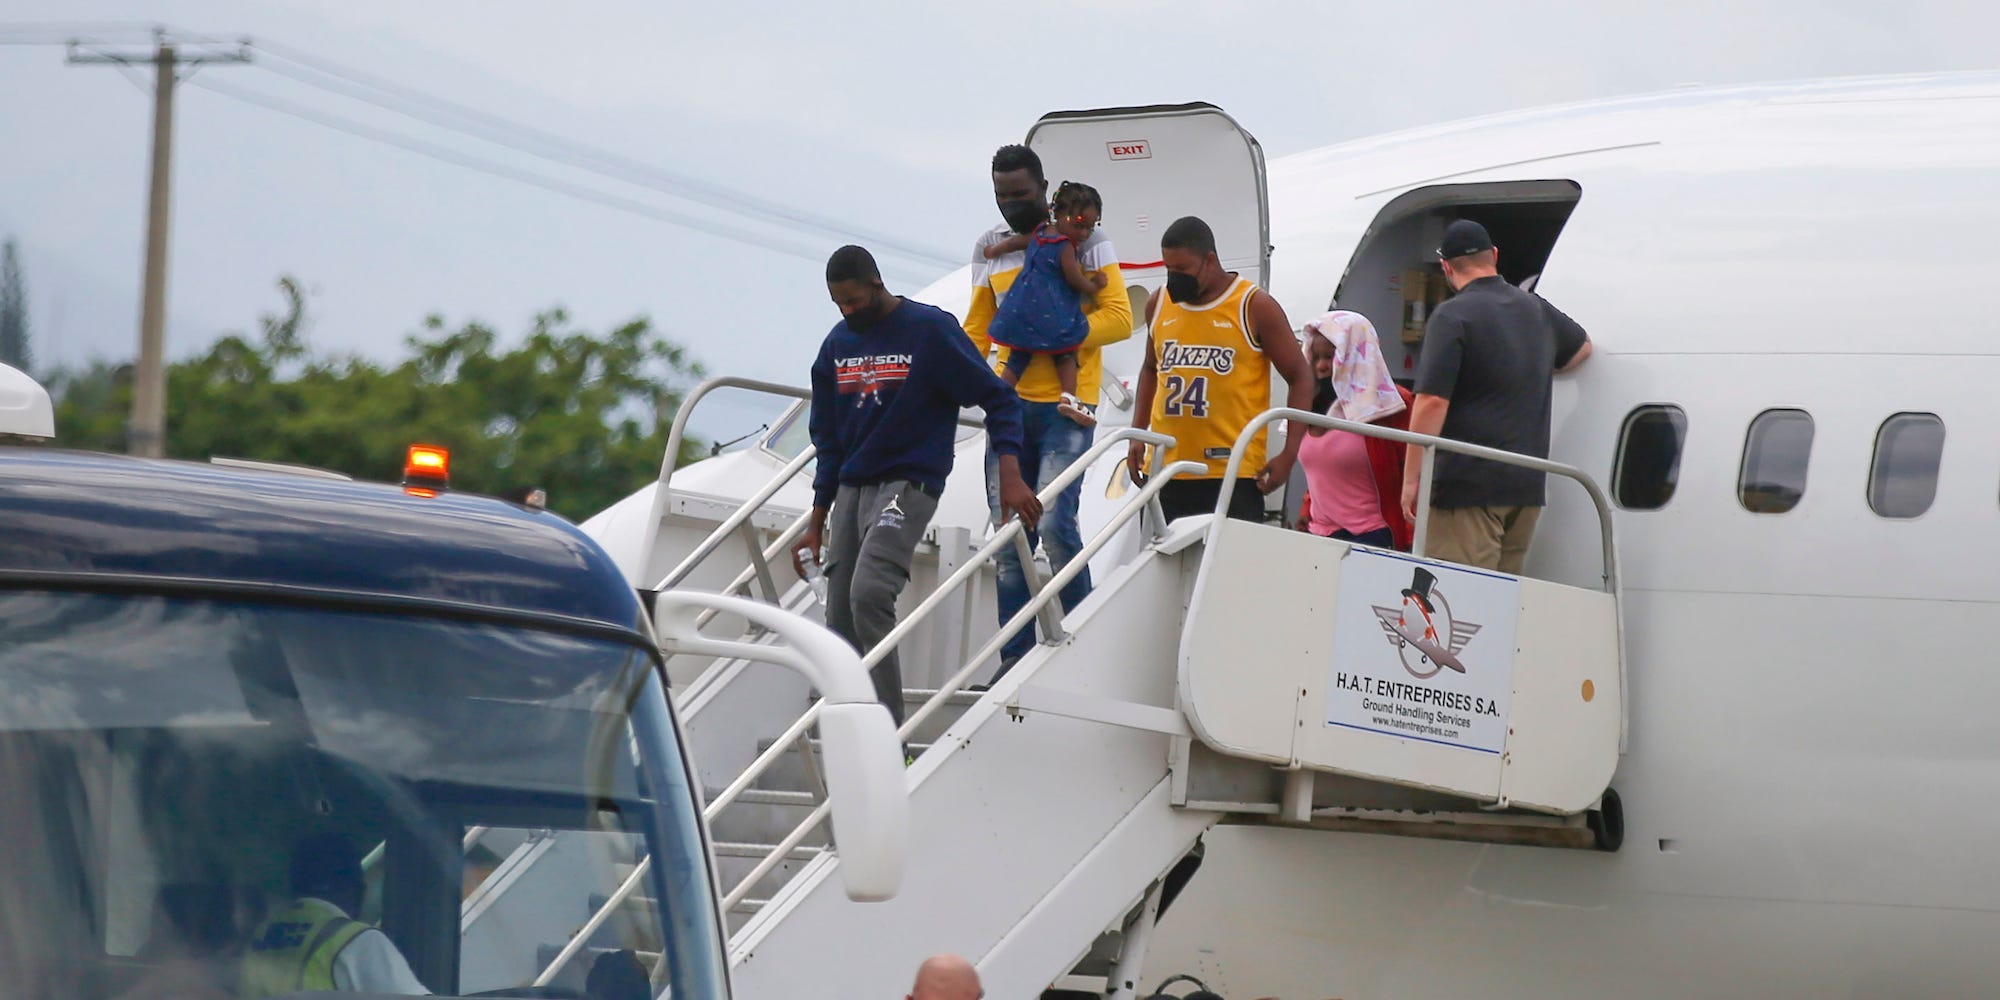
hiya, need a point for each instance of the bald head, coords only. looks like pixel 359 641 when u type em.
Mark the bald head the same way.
pixel 946 977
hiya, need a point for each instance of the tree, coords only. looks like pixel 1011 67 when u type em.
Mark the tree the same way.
pixel 584 417
pixel 13 311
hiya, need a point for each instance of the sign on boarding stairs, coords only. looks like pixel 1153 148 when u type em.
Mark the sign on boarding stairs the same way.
pixel 1488 704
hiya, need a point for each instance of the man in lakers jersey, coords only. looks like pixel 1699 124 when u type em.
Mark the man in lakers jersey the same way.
pixel 1214 339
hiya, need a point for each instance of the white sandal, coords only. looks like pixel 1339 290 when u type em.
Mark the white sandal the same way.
pixel 1076 410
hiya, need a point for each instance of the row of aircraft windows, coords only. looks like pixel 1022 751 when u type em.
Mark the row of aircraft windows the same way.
pixel 1902 479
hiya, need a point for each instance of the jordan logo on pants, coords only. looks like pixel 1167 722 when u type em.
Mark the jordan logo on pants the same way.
pixel 892 515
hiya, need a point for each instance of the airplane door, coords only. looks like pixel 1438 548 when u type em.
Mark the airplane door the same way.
pixel 1155 164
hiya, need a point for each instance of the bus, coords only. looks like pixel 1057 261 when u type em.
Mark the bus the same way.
pixel 215 677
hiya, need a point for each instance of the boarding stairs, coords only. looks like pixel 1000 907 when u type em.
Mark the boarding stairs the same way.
pixel 1051 813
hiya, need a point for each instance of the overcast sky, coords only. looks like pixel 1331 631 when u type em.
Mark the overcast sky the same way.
pixel 878 116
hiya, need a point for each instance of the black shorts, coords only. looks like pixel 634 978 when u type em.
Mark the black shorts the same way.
pixel 1183 497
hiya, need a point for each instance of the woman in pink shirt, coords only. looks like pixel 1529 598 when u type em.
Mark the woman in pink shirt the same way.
pixel 1353 482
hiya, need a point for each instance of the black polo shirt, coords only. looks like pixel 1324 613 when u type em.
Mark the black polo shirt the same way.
pixel 1491 350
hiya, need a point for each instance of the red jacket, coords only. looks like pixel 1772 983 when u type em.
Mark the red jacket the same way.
pixel 1386 457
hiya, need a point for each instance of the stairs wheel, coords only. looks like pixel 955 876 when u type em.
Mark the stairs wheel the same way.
pixel 1200 992
pixel 1607 822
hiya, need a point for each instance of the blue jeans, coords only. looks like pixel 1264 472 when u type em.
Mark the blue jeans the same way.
pixel 1052 442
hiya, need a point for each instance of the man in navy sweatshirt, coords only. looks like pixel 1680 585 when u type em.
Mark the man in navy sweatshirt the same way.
pixel 886 391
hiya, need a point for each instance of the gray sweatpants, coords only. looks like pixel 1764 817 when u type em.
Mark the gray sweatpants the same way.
pixel 872 533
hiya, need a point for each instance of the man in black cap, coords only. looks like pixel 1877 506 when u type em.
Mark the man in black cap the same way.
pixel 1483 377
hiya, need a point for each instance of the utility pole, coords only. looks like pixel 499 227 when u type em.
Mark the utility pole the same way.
pixel 146 434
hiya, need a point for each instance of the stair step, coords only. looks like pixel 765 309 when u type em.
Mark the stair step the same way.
pixel 764 822
pixel 788 774
pixel 579 966
pixel 761 851
pixel 765 744
pixel 749 905
pixel 641 905
pixel 771 797
pixel 914 697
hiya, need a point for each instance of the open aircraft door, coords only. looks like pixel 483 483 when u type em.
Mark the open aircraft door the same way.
pixel 1155 164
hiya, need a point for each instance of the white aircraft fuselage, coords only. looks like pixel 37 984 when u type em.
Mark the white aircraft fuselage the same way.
pixel 1812 781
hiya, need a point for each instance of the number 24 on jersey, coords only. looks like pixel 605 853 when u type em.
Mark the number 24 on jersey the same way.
pixel 1186 396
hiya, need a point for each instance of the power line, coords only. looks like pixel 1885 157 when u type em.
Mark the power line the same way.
pixel 62 32
pixel 328 76
pixel 495 169
pixel 70 29
pixel 548 146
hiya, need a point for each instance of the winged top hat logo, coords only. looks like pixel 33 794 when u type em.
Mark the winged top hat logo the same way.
pixel 1423 630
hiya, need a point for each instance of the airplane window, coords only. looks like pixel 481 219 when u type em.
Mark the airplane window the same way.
pixel 1649 457
pixel 1775 453
pixel 1902 482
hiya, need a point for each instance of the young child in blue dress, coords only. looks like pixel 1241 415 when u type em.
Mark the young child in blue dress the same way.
pixel 1042 313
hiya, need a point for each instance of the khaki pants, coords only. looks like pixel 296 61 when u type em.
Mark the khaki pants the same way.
pixel 1493 538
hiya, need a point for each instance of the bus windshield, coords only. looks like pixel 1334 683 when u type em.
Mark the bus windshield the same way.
pixel 208 797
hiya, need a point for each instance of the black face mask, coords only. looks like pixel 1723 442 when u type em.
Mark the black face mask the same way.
pixel 1183 288
pixel 869 315
pixel 1024 215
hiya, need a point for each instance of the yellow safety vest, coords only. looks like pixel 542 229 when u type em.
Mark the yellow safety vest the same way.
pixel 1213 378
pixel 294 950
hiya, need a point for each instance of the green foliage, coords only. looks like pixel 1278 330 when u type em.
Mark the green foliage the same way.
pixel 584 417
pixel 13 311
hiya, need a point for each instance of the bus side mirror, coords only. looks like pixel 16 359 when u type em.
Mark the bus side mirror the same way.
pixel 25 410
pixel 865 785
pixel 867 789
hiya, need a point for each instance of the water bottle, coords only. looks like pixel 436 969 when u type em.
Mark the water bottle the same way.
pixel 814 578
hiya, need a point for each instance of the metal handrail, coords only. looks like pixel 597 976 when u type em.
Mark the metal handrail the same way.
pixel 576 942
pixel 1005 536
pixel 1430 444
pixel 936 598
pixel 741 583
pixel 1049 592
pixel 670 463
pixel 677 433
pixel 736 519
pixel 778 546
pixel 374 855
pixel 1142 500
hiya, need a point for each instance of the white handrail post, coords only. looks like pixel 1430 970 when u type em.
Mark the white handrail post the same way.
pixel 1156 460
pixel 1050 616
pixel 758 564
pixel 1421 542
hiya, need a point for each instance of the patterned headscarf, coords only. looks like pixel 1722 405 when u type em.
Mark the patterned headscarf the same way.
pixel 1363 391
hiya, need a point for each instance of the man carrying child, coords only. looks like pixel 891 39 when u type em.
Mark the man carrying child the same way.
pixel 1053 440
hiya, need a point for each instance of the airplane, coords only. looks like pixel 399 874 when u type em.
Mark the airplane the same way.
pixel 1791 407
